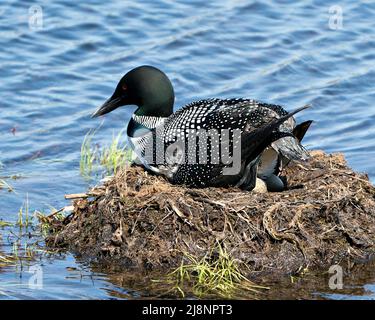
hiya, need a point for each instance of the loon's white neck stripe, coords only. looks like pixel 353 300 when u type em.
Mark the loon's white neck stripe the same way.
pixel 139 143
pixel 148 121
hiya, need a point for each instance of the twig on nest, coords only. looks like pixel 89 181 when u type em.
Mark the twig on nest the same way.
pixel 76 196
pixel 277 235
pixel 56 212
pixel 215 203
pixel 179 213
pixel 67 208
pixel 267 222
pixel 92 193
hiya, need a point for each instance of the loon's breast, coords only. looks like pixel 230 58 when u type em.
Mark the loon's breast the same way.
pixel 141 136
pixel 268 164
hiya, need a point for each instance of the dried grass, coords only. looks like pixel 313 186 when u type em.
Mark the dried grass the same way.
pixel 139 220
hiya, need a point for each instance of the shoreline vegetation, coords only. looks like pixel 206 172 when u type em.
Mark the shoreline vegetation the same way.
pixel 217 239
pixel 110 157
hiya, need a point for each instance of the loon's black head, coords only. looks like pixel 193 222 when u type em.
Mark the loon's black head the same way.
pixel 146 87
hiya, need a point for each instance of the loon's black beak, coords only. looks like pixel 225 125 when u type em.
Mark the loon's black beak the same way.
pixel 111 104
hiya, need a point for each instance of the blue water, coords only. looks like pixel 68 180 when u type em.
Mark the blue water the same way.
pixel 55 69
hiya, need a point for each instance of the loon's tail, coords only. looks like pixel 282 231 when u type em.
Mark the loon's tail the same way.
pixel 254 142
pixel 300 130
pixel 291 147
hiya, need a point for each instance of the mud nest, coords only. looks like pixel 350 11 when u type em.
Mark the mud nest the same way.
pixel 139 220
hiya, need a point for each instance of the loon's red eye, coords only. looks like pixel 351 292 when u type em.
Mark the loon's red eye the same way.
pixel 124 87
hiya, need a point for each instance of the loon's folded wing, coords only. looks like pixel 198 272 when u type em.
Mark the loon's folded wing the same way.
pixel 253 142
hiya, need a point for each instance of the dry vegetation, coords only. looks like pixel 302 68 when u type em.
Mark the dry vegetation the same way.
pixel 139 220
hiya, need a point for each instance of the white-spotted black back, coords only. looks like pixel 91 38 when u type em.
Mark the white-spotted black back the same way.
pixel 245 115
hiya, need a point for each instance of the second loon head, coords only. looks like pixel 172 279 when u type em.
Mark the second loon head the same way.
pixel 146 87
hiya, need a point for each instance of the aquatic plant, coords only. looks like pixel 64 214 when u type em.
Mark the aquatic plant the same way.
pixel 4 184
pixel 6 260
pixel 88 154
pixel 115 156
pixel 47 221
pixel 216 273
pixel 24 218
pixel 5 224
pixel 26 244
pixel 23 251
pixel 111 157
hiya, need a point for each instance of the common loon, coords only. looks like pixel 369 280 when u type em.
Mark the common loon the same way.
pixel 213 142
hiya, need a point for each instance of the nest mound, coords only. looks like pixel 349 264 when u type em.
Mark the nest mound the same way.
pixel 140 220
